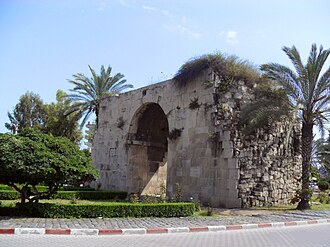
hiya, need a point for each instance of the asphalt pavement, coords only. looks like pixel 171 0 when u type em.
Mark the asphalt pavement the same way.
pixel 223 220
pixel 301 236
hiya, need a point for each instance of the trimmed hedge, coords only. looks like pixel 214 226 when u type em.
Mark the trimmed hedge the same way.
pixel 8 211
pixel 5 187
pixel 71 195
pixel 76 189
pixel 9 195
pixel 44 188
pixel 90 195
pixel 48 210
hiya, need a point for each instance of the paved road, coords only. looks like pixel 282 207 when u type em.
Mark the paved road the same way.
pixel 302 236
pixel 240 217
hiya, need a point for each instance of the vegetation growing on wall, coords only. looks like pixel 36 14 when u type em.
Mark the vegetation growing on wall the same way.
pixel 120 123
pixel 194 104
pixel 228 68
pixel 174 133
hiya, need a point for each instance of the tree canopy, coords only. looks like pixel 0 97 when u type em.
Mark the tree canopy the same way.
pixel 58 123
pixel 28 112
pixel 33 158
pixel 51 118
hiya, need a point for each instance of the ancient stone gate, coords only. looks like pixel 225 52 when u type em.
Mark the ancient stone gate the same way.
pixel 188 137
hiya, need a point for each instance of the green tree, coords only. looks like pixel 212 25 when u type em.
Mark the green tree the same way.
pixel 33 158
pixel 308 93
pixel 28 112
pixel 58 123
pixel 323 156
pixel 90 133
pixel 88 92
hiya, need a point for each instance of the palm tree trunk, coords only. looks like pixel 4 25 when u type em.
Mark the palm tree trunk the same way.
pixel 307 138
pixel 97 115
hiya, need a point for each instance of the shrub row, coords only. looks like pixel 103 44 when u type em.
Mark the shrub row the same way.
pixel 5 187
pixel 76 189
pixel 9 195
pixel 44 188
pixel 48 210
pixel 71 195
pixel 90 195
pixel 8 211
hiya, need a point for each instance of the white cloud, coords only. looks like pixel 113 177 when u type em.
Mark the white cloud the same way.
pixel 188 32
pixel 125 3
pixel 102 6
pixel 182 29
pixel 149 8
pixel 221 33
pixel 183 26
pixel 166 13
pixel 232 37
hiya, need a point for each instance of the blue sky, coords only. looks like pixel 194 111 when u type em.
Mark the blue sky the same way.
pixel 44 42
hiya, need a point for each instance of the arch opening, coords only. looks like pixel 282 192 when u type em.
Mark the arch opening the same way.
pixel 147 150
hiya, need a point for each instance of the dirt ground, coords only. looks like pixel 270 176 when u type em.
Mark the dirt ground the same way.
pixel 241 212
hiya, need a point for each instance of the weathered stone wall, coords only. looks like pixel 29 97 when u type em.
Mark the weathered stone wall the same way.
pixel 205 153
pixel 122 156
pixel 267 163
pixel 270 169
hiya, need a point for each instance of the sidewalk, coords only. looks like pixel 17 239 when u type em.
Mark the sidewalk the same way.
pixel 225 219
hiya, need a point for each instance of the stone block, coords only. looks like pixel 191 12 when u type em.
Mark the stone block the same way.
pixel 227 153
pixel 195 172
pixel 225 135
pixel 233 203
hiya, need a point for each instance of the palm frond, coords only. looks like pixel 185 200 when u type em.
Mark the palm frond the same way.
pixel 88 92
pixel 294 56
pixel 271 105
pixel 286 78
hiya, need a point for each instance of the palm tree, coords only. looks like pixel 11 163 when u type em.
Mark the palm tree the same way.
pixel 309 92
pixel 88 92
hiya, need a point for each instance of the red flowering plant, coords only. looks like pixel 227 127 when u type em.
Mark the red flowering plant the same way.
pixel 299 194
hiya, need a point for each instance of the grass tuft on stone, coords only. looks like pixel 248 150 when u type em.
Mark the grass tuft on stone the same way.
pixel 228 68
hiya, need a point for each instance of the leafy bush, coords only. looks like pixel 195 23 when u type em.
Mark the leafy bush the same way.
pixel 76 189
pixel 148 199
pixel 72 195
pixel 90 195
pixel 33 158
pixel 5 187
pixel 44 188
pixel 9 195
pixel 8 211
pixel 323 185
pixel 47 210
pixel 322 197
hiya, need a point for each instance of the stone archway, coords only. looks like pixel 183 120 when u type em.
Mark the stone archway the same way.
pixel 147 150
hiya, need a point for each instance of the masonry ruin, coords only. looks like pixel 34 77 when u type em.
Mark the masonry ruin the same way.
pixel 188 136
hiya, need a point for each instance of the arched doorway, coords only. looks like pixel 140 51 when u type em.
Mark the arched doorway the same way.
pixel 147 150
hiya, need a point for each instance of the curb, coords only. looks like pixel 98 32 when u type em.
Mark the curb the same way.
pixel 142 231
